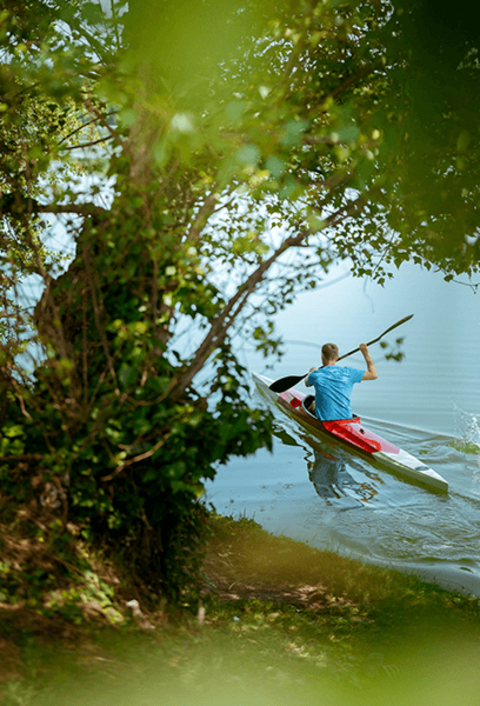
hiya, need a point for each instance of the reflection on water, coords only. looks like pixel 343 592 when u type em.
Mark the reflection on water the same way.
pixel 338 476
pixel 328 472
pixel 331 479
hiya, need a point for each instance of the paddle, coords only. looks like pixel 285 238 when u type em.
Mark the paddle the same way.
pixel 286 383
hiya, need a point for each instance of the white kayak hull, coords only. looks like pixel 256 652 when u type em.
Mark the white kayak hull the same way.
pixel 352 434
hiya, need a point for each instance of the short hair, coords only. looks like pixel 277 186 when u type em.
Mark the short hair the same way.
pixel 330 351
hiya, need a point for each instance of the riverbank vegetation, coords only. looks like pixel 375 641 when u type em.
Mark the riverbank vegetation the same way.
pixel 275 621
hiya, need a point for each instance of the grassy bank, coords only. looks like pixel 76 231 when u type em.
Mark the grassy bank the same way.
pixel 278 623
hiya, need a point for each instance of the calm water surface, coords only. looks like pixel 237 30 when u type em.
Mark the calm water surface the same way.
pixel 427 404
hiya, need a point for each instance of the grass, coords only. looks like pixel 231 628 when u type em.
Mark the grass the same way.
pixel 278 623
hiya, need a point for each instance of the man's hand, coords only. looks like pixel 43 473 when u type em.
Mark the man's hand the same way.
pixel 306 379
pixel 371 372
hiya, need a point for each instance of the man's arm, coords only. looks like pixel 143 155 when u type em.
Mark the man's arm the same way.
pixel 371 372
pixel 309 384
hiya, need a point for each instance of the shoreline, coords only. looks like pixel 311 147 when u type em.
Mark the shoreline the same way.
pixel 447 576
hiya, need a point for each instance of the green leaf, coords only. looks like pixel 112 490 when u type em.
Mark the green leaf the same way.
pixel 92 12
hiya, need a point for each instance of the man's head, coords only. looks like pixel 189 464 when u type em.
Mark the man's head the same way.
pixel 329 353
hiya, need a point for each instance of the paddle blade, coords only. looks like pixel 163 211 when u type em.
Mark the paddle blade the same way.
pixel 399 323
pixel 286 383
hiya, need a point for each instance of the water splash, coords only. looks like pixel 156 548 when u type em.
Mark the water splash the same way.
pixel 467 431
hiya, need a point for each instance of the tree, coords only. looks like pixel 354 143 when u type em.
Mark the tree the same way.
pixel 241 148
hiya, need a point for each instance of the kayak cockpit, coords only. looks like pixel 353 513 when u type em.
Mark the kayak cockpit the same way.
pixel 306 402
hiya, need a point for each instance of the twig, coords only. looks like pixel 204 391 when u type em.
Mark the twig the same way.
pixel 82 127
pixel 136 459
pixel 88 144
pixel 93 109
pixel 21 457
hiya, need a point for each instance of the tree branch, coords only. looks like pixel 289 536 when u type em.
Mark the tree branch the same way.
pixel 93 109
pixel 220 326
pixel 21 457
pixel 88 144
pixel 85 209
pixel 205 210
pixel 82 127
pixel 136 459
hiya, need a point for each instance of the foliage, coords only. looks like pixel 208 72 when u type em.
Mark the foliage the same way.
pixel 205 178
pixel 51 574
pixel 280 622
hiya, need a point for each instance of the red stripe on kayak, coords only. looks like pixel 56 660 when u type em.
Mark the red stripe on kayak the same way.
pixel 353 431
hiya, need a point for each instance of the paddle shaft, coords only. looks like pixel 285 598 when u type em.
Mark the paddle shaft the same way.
pixel 287 382
pixel 375 340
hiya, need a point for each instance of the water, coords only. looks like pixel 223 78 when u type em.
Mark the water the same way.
pixel 429 405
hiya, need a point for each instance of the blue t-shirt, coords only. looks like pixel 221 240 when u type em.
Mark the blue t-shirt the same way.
pixel 333 387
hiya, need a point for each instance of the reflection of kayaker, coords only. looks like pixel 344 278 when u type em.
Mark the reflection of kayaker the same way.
pixel 352 434
pixel 324 472
pixel 330 478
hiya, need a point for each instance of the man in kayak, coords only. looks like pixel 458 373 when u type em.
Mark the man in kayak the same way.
pixel 333 385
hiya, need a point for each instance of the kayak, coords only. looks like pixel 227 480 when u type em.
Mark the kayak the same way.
pixel 352 434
